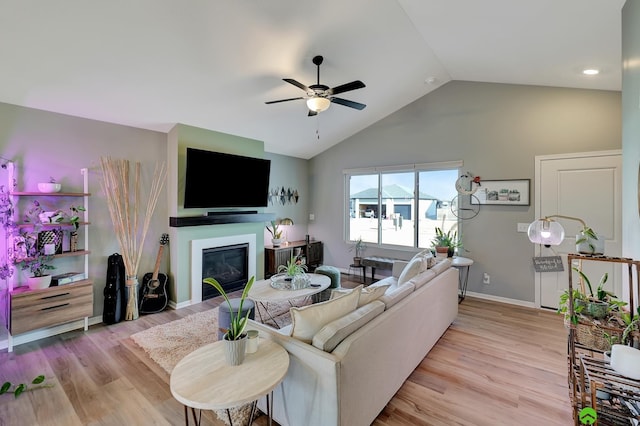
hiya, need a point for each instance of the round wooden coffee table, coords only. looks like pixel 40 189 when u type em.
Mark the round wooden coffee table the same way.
pixel 203 380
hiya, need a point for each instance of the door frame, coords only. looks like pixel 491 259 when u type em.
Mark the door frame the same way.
pixel 538 159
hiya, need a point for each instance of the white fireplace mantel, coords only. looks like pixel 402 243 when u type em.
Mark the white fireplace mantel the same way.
pixel 197 246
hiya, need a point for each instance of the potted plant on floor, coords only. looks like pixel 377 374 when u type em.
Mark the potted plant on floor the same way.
pixel 234 337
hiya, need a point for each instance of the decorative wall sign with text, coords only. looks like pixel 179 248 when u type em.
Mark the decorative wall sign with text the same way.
pixel 548 264
pixel 282 195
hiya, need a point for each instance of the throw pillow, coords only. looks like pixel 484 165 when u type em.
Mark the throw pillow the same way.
pixel 308 320
pixel 426 254
pixel 367 294
pixel 337 330
pixel 415 266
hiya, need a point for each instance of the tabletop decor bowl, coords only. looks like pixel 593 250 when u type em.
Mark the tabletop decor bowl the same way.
pixel 49 187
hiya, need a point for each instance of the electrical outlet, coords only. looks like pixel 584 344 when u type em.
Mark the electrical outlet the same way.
pixel 312 216
pixel 523 227
pixel 486 279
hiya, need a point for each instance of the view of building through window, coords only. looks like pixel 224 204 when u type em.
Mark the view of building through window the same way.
pixel 401 208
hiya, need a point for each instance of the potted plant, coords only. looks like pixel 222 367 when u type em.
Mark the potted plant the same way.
pixel 358 248
pixel 446 242
pixel 601 303
pixel 38 267
pixel 587 242
pixel 234 336
pixel 632 328
pixel 276 233
pixel 579 304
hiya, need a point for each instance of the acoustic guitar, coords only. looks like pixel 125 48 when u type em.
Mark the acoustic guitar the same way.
pixel 153 293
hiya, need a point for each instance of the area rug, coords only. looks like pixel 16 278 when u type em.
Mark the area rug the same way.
pixel 166 344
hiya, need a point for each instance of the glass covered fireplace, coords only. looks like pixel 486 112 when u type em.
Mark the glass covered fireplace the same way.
pixel 229 265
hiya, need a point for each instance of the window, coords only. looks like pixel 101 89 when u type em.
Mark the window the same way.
pixel 402 205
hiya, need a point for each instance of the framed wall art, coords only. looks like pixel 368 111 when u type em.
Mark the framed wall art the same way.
pixel 513 192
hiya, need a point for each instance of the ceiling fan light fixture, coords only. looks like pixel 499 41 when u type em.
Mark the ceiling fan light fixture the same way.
pixel 318 104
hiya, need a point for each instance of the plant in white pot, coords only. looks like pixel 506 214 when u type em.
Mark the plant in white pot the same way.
pixel 295 271
pixel 38 266
pixel 276 233
pixel 587 242
pixel 234 337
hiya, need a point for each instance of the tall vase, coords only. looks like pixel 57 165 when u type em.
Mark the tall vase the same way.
pixel 131 298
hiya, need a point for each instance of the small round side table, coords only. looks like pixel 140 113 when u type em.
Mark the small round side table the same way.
pixel 463 264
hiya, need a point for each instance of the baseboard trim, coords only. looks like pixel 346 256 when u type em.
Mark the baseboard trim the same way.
pixel 502 299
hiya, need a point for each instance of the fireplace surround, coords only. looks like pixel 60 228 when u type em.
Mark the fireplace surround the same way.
pixel 201 245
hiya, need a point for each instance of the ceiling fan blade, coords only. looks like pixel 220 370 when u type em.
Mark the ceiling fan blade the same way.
pixel 346 87
pixel 312 113
pixel 284 100
pixel 297 84
pixel 351 104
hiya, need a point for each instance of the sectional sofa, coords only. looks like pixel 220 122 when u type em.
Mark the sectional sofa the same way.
pixel 350 354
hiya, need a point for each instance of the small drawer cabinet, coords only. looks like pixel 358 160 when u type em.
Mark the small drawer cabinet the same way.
pixel 33 309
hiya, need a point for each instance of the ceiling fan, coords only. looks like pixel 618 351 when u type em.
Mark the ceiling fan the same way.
pixel 319 96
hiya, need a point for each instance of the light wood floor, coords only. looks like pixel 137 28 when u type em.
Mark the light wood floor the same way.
pixel 496 365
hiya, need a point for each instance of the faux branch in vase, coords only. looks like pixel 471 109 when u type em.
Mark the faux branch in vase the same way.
pixel 125 208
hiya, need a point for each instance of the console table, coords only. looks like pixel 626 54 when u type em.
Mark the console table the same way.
pixel 203 380
pixel 313 252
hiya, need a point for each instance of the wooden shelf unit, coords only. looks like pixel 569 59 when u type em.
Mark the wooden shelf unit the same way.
pixel 587 369
pixel 30 310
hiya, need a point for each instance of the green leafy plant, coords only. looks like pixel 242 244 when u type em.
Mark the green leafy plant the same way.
pixel 293 267
pixel 17 390
pixel 358 247
pixel 632 324
pixel 275 231
pixel 587 235
pixel 579 304
pixel 237 323
pixel 35 261
pixel 446 239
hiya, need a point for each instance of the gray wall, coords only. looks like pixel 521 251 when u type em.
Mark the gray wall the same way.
pixel 44 144
pixel 631 129
pixel 497 130
pixel 290 172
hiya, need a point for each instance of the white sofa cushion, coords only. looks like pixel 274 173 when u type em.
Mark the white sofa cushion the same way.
pixel 308 320
pixel 442 265
pixel 367 294
pixel 398 266
pixel 413 268
pixel 396 293
pixel 422 278
pixel 427 255
pixel 335 332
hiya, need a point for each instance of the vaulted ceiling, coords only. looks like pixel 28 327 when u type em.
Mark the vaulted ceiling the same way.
pixel 214 64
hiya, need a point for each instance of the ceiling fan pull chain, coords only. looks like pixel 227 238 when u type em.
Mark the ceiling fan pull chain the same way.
pixel 318 127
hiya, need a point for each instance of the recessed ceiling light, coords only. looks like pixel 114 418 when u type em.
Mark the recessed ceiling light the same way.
pixel 590 71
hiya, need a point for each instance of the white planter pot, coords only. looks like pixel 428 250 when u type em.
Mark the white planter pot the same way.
pixel 234 350
pixel 38 283
pixel 626 361
pixel 276 241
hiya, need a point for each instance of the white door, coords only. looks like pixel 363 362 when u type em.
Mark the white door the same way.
pixel 587 186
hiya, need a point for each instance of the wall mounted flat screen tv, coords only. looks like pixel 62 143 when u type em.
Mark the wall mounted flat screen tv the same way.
pixel 215 179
